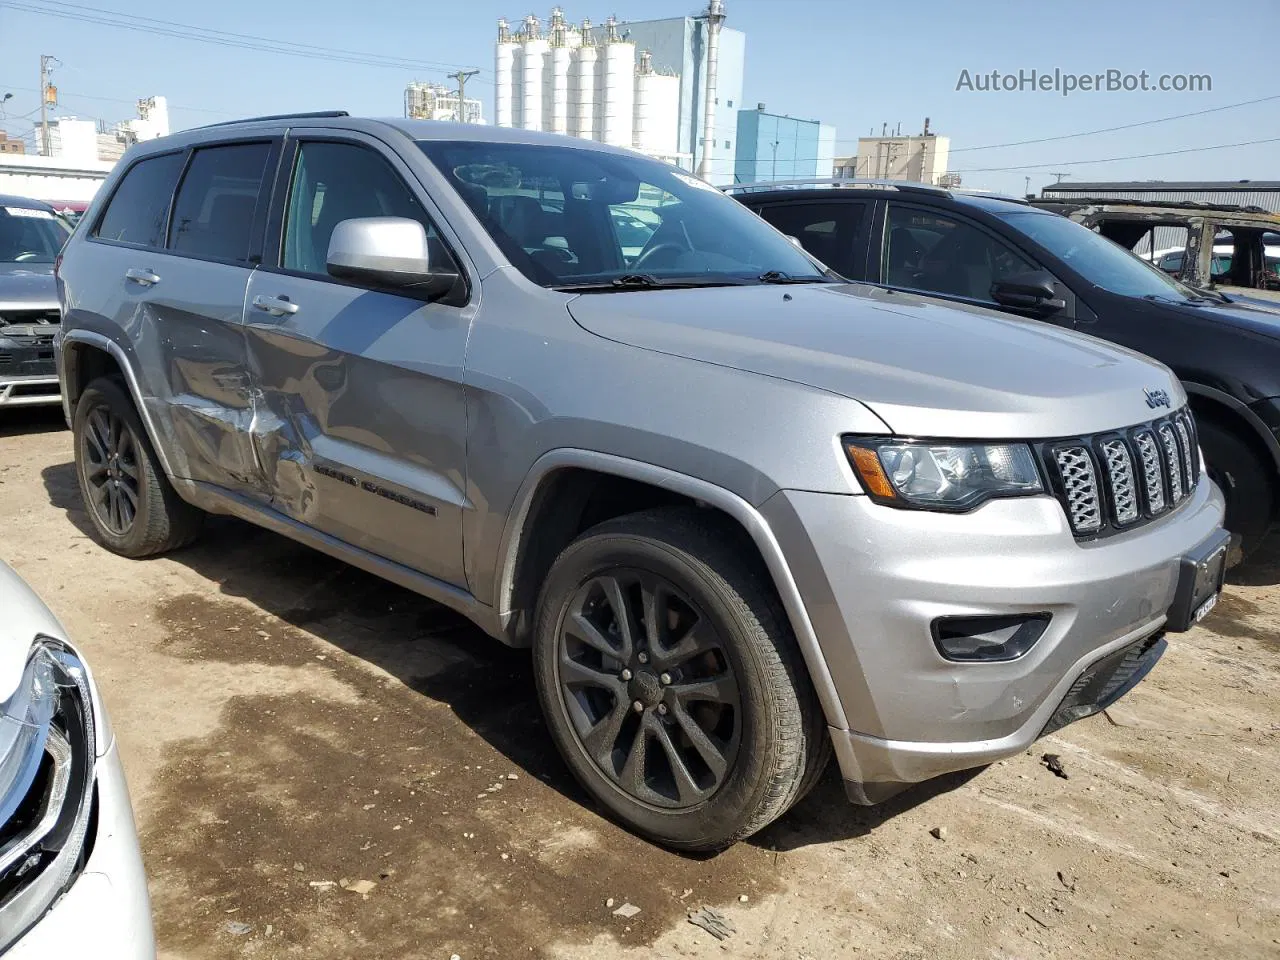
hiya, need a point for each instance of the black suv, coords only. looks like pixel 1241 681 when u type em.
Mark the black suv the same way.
pixel 1008 255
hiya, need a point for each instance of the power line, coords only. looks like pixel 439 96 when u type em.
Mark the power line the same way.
pixel 1123 126
pixel 183 31
pixel 62 94
pixel 1091 133
pixel 1133 156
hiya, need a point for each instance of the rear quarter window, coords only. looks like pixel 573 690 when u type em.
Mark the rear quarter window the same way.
pixel 136 212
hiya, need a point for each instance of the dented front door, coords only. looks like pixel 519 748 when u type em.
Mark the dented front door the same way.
pixel 360 418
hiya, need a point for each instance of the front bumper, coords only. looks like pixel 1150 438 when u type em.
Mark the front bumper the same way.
pixel 106 912
pixel 28 371
pixel 874 579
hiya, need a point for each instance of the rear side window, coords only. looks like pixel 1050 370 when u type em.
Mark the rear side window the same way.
pixel 136 211
pixel 827 230
pixel 214 211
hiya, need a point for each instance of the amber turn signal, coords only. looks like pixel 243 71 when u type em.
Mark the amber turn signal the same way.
pixel 870 471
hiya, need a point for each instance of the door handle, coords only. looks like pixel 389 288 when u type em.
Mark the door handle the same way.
pixel 276 306
pixel 141 276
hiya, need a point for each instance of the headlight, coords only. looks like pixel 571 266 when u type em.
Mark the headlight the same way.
pixel 47 754
pixel 942 476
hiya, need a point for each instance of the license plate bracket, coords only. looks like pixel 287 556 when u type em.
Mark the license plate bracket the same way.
pixel 1200 577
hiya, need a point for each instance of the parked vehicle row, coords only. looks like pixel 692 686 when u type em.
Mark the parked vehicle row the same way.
pixel 1012 256
pixel 745 514
pixel 31 235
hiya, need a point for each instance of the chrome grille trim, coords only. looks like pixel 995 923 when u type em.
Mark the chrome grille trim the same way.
pixel 1188 451
pixel 1172 462
pixel 1080 484
pixel 1152 473
pixel 1124 493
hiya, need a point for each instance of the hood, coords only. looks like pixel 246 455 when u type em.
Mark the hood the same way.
pixel 26 286
pixel 927 367
pixel 24 616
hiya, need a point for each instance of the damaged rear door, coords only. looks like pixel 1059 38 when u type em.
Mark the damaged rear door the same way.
pixel 194 291
pixel 361 422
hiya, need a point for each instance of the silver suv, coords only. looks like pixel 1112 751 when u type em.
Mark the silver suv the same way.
pixel 742 512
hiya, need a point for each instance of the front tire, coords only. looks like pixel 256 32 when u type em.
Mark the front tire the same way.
pixel 671 682
pixel 134 509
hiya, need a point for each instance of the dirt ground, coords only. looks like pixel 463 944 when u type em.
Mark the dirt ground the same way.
pixel 291 726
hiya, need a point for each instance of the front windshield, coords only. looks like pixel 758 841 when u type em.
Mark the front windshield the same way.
pixel 569 217
pixel 1102 262
pixel 30 235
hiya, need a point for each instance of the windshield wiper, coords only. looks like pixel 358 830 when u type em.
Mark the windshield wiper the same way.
pixel 644 281
pixel 777 276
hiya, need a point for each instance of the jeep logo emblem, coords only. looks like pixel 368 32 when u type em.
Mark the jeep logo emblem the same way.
pixel 1157 398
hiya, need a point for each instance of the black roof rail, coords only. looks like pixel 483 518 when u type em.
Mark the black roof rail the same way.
pixel 313 115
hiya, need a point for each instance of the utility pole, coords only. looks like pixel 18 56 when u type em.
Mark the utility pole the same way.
pixel 46 67
pixel 1026 190
pixel 462 76
pixel 775 159
pixel 1059 176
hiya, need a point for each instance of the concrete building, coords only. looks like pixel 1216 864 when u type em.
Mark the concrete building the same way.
pixel 637 84
pixel 433 101
pixel 679 46
pixel 8 145
pixel 87 141
pixel 773 147
pixel 921 158
pixel 52 179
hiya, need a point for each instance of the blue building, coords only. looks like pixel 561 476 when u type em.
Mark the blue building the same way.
pixel 772 147
pixel 679 45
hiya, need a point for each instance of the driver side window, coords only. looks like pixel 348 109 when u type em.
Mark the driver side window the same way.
pixel 939 254
pixel 333 182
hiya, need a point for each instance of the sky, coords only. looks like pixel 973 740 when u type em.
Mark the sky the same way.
pixel 851 64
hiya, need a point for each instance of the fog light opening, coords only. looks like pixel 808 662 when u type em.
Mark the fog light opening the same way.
pixel 988 639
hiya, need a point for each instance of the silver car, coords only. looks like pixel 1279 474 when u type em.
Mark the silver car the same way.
pixel 71 878
pixel 31 235
pixel 742 512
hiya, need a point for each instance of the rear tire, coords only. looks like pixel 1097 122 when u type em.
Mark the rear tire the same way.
pixel 728 725
pixel 1246 481
pixel 134 509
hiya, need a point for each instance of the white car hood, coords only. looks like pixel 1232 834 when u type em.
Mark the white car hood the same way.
pixel 927 367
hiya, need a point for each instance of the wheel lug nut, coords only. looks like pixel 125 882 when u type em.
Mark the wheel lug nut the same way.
pixel 662 709
pixel 665 678
pixel 638 707
pixel 626 674
pixel 642 657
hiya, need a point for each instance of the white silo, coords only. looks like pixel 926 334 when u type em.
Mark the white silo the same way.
pixel 533 54
pixel 559 79
pixel 619 106
pixel 582 120
pixel 504 83
pixel 657 128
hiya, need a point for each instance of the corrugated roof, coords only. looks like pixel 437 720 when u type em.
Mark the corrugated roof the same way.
pixel 1163 186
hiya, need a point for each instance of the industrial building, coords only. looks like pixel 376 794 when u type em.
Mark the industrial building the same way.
pixel 921 158
pixel 1245 193
pixel 773 147
pixel 433 101
pixel 82 153
pixel 670 88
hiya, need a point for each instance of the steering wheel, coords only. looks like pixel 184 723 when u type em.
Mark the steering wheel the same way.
pixel 26 255
pixel 653 251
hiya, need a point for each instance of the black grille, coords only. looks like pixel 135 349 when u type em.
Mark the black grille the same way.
pixel 1116 481
pixel 37 317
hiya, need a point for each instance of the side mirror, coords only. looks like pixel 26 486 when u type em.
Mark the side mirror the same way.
pixel 388 252
pixel 1034 291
